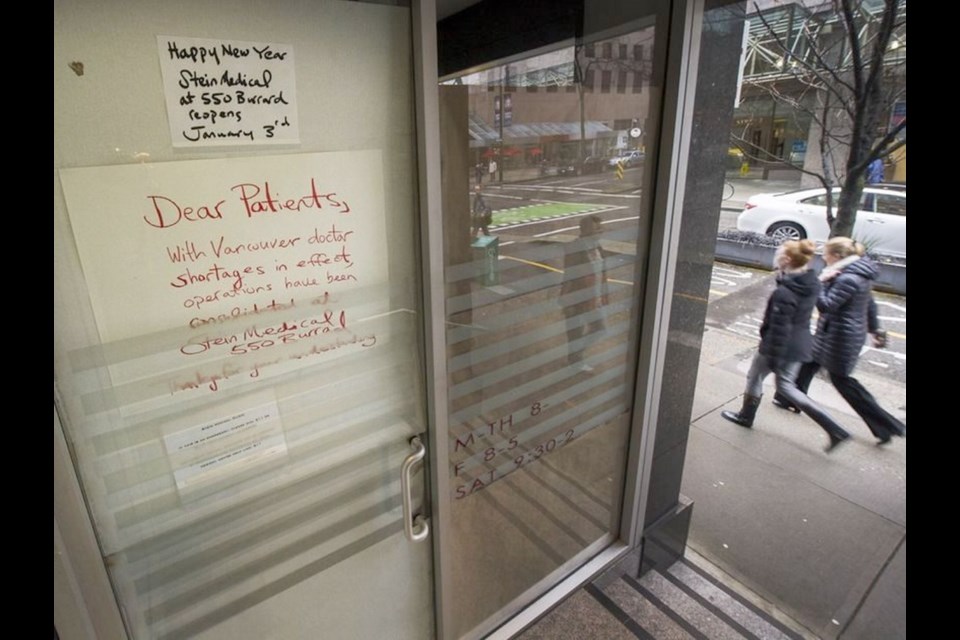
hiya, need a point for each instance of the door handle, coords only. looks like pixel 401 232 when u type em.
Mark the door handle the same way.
pixel 416 528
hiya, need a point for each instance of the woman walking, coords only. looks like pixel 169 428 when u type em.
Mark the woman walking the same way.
pixel 847 313
pixel 785 340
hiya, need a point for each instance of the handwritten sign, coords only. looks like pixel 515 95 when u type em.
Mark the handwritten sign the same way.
pixel 237 268
pixel 228 93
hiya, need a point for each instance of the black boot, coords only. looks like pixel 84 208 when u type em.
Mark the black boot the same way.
pixel 783 403
pixel 836 439
pixel 745 416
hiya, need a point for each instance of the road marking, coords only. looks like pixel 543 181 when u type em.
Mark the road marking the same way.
pixel 533 264
pixel 555 270
pixel 583 185
pixel 636 193
pixel 890 304
pixel 690 297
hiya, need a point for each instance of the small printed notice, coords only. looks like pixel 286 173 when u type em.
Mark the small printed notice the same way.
pixel 210 450
pixel 228 93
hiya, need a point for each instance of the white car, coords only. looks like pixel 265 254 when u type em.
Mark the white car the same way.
pixel 881 224
pixel 627 158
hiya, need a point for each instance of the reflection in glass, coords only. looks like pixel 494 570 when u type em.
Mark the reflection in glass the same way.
pixel 541 310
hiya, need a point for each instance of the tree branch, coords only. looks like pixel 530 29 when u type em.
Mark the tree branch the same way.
pixel 849 22
pixel 816 72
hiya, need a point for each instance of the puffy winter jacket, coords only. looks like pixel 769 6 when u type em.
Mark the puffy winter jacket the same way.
pixel 847 313
pixel 785 332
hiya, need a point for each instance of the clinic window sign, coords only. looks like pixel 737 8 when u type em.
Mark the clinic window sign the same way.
pixel 228 92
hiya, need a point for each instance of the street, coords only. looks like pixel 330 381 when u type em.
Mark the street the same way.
pixel 533 219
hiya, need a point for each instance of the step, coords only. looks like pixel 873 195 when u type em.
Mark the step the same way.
pixel 680 602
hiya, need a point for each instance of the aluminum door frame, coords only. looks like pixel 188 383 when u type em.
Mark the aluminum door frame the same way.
pixel 683 45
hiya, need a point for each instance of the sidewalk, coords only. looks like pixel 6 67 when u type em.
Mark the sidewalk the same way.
pixel 798 544
pixel 821 537
pixel 746 187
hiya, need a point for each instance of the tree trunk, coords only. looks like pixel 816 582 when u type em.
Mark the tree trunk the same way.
pixel 847 206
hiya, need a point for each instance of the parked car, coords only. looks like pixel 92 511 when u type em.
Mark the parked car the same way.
pixel 629 158
pixel 593 164
pixel 561 167
pixel 881 223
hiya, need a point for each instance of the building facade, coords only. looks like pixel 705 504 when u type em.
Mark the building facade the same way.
pixel 797 60
pixel 295 394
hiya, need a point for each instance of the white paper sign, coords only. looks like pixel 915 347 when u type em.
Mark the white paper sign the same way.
pixel 228 93
pixel 235 268
pixel 210 450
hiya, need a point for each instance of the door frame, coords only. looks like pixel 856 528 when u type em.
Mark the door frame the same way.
pixel 84 605
pixel 681 46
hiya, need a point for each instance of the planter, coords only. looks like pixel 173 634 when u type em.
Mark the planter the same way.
pixel 892 278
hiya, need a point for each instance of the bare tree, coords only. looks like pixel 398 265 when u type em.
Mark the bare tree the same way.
pixel 844 73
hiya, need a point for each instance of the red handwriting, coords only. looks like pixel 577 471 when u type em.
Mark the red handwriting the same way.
pixel 219 247
pixel 189 252
pixel 320 259
pixel 327 237
pixel 212 380
pixel 216 273
pixel 167 212
pixel 257 199
pixel 255 338
pixel 197 301
pixel 237 312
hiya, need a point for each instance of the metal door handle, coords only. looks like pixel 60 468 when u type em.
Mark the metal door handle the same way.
pixel 416 527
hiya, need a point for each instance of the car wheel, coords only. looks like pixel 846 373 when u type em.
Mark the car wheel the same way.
pixel 783 231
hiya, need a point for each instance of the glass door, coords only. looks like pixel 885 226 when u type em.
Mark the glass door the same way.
pixel 237 319
pixel 548 164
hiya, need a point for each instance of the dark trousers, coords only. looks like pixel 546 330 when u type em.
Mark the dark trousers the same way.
pixel 882 424
pixel 787 388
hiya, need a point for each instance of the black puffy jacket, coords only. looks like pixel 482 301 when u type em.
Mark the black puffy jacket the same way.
pixel 785 332
pixel 847 313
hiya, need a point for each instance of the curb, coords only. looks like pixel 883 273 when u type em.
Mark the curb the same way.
pixel 892 278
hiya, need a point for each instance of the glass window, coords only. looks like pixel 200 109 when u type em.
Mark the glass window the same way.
pixel 892 204
pixel 239 390
pixel 818 201
pixel 544 266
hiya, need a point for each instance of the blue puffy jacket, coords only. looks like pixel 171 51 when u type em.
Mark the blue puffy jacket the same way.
pixel 847 314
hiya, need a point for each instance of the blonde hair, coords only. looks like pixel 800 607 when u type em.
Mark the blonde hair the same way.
pixel 798 252
pixel 842 247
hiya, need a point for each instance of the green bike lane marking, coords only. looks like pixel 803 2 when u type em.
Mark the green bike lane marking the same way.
pixel 542 211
